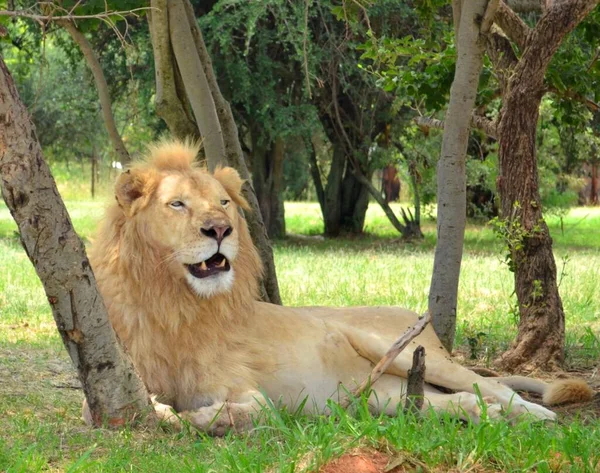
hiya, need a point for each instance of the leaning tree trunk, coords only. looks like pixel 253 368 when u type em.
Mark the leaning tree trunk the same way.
pixel 233 155
pixel 115 393
pixel 451 177
pixel 171 101
pixel 540 342
pixel 102 87
pixel 196 84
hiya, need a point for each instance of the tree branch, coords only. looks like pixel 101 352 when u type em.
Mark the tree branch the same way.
pixel 502 55
pixel 397 347
pixel 105 16
pixel 512 25
pixel 170 105
pixel 484 124
pixel 235 157
pixel 569 94
pixel 526 6
pixel 102 87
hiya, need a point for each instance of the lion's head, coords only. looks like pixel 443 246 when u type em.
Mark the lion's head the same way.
pixel 176 220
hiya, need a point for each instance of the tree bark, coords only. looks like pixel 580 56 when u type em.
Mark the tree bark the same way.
pixel 235 158
pixel 415 385
pixel 451 177
pixel 115 393
pixel 196 84
pixel 333 192
pixel 540 342
pixel 171 103
pixel 315 172
pixel 267 177
pixel 102 87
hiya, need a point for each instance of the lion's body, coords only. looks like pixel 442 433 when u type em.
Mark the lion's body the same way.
pixel 205 343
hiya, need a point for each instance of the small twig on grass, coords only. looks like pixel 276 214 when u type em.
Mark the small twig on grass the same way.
pixel 415 390
pixel 389 357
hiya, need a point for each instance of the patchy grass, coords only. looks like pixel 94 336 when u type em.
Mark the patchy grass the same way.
pixel 40 427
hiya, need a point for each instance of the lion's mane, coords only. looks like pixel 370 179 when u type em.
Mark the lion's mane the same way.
pixel 175 337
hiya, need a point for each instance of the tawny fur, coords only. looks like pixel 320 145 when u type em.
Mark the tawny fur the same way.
pixel 212 354
pixel 567 390
pixel 155 314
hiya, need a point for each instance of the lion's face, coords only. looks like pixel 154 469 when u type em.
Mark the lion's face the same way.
pixel 191 218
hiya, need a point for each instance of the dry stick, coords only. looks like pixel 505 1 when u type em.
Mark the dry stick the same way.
pixel 389 357
pixel 415 389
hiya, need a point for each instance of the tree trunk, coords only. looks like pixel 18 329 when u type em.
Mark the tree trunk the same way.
pixel 594 184
pixel 267 178
pixel 355 202
pixel 94 172
pixel 333 193
pixel 315 172
pixel 171 103
pixel 114 392
pixel 196 84
pixel 540 342
pixel 101 86
pixel 235 158
pixel 451 177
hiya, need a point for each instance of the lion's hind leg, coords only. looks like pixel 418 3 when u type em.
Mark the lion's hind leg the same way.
pixel 390 391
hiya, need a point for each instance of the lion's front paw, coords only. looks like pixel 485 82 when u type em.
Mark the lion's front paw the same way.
pixel 166 413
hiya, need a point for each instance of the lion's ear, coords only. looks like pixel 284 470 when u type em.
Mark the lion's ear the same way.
pixel 232 182
pixel 133 189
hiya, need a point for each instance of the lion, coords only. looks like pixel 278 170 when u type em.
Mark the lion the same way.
pixel 180 275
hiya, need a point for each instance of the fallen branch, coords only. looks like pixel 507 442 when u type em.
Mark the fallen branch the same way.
pixel 415 388
pixel 381 367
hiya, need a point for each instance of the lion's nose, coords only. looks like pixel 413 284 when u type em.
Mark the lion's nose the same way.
pixel 218 232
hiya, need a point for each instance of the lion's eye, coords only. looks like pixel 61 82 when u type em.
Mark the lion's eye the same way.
pixel 224 203
pixel 176 204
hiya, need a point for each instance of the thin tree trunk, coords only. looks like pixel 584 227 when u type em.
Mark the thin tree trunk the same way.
pixel 594 184
pixel 196 84
pixel 333 192
pixel 102 87
pixel 94 165
pixel 115 394
pixel 316 175
pixel 235 158
pixel 171 103
pixel 276 227
pixel 540 342
pixel 451 178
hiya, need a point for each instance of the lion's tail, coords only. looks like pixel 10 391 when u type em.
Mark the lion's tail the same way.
pixel 558 392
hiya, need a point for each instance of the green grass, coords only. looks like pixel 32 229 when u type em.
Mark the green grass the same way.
pixel 40 428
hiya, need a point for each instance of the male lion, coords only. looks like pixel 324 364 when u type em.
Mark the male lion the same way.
pixel 178 272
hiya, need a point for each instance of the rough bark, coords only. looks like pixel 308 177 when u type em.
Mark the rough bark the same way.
pixel 114 392
pixel 315 172
pixel 235 158
pixel 451 178
pixel 171 103
pixel 540 342
pixel 267 178
pixel 333 193
pixel 102 87
pixel 415 386
pixel 196 84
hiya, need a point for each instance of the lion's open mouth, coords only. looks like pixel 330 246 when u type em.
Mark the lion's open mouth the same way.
pixel 213 265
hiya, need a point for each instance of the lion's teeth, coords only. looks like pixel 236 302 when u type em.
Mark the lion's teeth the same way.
pixel 222 263
pixel 203 266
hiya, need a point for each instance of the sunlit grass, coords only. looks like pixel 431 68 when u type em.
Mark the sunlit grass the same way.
pixel 40 428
